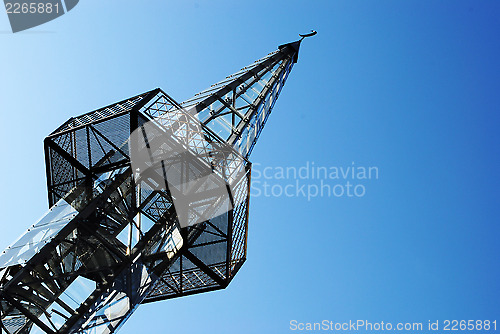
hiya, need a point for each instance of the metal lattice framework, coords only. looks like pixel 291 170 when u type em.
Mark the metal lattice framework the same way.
pixel 114 237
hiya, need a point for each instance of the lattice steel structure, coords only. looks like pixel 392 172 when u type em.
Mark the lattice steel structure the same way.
pixel 114 237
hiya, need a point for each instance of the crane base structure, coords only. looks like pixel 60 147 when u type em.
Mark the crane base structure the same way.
pixel 149 200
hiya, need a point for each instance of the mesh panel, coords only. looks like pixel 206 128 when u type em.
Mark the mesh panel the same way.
pixel 116 130
pixel 99 144
pixel 82 151
pixel 63 175
pixel 239 227
pixel 103 113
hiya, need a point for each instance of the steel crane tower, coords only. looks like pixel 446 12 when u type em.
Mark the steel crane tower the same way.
pixel 149 200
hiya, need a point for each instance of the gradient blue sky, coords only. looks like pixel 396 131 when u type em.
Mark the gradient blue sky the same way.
pixel 411 87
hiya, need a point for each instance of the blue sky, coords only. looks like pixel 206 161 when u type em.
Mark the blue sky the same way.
pixel 410 87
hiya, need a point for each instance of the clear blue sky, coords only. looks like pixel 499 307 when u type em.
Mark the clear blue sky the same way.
pixel 411 87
